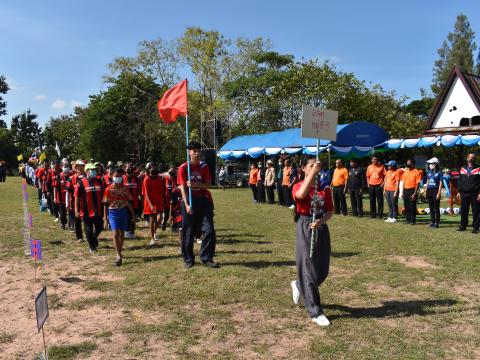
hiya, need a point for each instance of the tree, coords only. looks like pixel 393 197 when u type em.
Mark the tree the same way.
pixel 64 131
pixel 477 67
pixel 8 150
pixel 457 49
pixel 25 131
pixel 3 104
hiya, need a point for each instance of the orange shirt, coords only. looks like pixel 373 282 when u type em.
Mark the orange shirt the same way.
pixel 392 178
pixel 252 180
pixel 340 177
pixel 411 178
pixel 286 175
pixel 375 174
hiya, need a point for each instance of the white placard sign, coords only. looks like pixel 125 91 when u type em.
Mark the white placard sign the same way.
pixel 319 123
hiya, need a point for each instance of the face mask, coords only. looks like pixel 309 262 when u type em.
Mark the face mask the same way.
pixel 432 166
pixel 66 169
pixel 117 180
pixel 93 173
pixel 129 171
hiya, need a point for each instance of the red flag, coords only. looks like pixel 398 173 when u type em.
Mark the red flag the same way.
pixel 173 103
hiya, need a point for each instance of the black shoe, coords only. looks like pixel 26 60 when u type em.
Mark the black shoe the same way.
pixel 210 264
pixel 360 215
pixel 432 225
pixel 188 265
pixel 164 227
pixel 475 231
pixel 437 226
pixel 412 223
pixel 63 227
pixel 461 228
pixel 118 261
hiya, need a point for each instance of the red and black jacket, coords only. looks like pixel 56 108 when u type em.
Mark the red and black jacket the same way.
pixel 62 183
pixel 469 179
pixel 90 193
pixel 131 182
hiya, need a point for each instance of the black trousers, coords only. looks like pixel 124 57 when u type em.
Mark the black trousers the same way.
pixel 339 200
pixel 469 200
pixel 49 202
pixel 434 205
pixel 62 212
pixel 3 178
pixel 410 206
pixel 392 202
pixel 261 192
pixel 287 194
pixel 78 228
pixel 131 224
pixel 71 219
pixel 54 205
pixel 311 271
pixel 270 194
pixel 40 193
pixel 93 228
pixel 254 192
pixel 201 221
pixel 376 200
pixel 281 195
pixel 356 202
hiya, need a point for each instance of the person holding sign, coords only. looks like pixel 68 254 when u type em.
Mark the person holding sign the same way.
pixel 311 270
pixel 197 215
pixel 118 199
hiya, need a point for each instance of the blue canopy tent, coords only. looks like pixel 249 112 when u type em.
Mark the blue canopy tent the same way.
pixel 359 138
pixel 447 141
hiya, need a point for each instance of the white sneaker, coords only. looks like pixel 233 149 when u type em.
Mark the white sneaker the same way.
pixel 80 240
pixel 152 242
pixel 132 236
pixel 393 220
pixel 292 207
pixel 321 320
pixel 56 220
pixel 156 237
pixel 147 224
pixel 388 220
pixel 295 292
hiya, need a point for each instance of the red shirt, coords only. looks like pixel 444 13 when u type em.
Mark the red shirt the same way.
pixel 155 189
pixel 303 207
pixel 131 182
pixel 107 180
pixel 170 185
pixel 61 182
pixel 89 191
pixel 42 177
pixel 117 197
pixel 199 174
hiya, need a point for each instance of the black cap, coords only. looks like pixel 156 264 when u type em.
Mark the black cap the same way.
pixel 194 146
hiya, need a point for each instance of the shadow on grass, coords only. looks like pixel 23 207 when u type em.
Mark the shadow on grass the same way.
pixel 145 259
pixel 238 241
pixel 259 264
pixel 344 254
pixel 391 309
pixel 243 252
pixel 248 235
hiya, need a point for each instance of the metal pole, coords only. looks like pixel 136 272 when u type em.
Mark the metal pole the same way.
pixel 313 237
pixel 44 345
pixel 188 162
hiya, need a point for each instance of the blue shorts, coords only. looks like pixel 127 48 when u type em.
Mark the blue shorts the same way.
pixel 118 219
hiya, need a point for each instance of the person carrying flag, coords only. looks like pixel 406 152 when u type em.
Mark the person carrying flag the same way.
pixel 197 215
pixel 88 205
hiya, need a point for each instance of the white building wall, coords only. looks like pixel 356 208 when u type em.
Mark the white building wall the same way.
pixel 458 97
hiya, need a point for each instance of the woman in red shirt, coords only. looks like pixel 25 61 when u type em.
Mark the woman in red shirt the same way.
pixel 153 190
pixel 311 270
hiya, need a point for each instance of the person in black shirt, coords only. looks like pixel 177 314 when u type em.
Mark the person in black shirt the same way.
pixel 356 183
pixel 468 192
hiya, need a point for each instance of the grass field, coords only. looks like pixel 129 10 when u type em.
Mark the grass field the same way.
pixel 394 291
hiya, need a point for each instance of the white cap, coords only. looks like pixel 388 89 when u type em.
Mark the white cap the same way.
pixel 79 162
pixel 433 160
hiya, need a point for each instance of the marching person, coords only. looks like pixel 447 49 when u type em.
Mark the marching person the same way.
pixel 197 215
pixel 311 271
pixel 287 169
pixel 468 193
pixel 339 185
pixel 411 178
pixel 252 181
pixel 57 170
pixel 433 186
pixel 75 179
pixel 375 179
pixel 356 183
pixel 261 183
pixel 279 179
pixel 131 182
pixel 88 205
pixel 270 182
pixel 118 199
pixel 61 190
pixel 391 190
pixel 170 185
pixel 153 191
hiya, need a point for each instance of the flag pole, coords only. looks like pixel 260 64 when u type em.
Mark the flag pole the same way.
pixel 313 237
pixel 188 157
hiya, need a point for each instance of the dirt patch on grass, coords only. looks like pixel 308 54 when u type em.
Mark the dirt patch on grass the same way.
pixel 416 262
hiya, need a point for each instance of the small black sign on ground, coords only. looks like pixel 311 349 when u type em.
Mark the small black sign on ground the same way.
pixel 41 308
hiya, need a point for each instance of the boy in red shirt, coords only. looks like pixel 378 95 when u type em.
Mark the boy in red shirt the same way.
pixel 131 182
pixel 197 215
pixel 311 270
pixel 153 190
pixel 88 205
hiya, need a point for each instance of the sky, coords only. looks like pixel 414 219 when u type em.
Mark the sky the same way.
pixel 54 53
